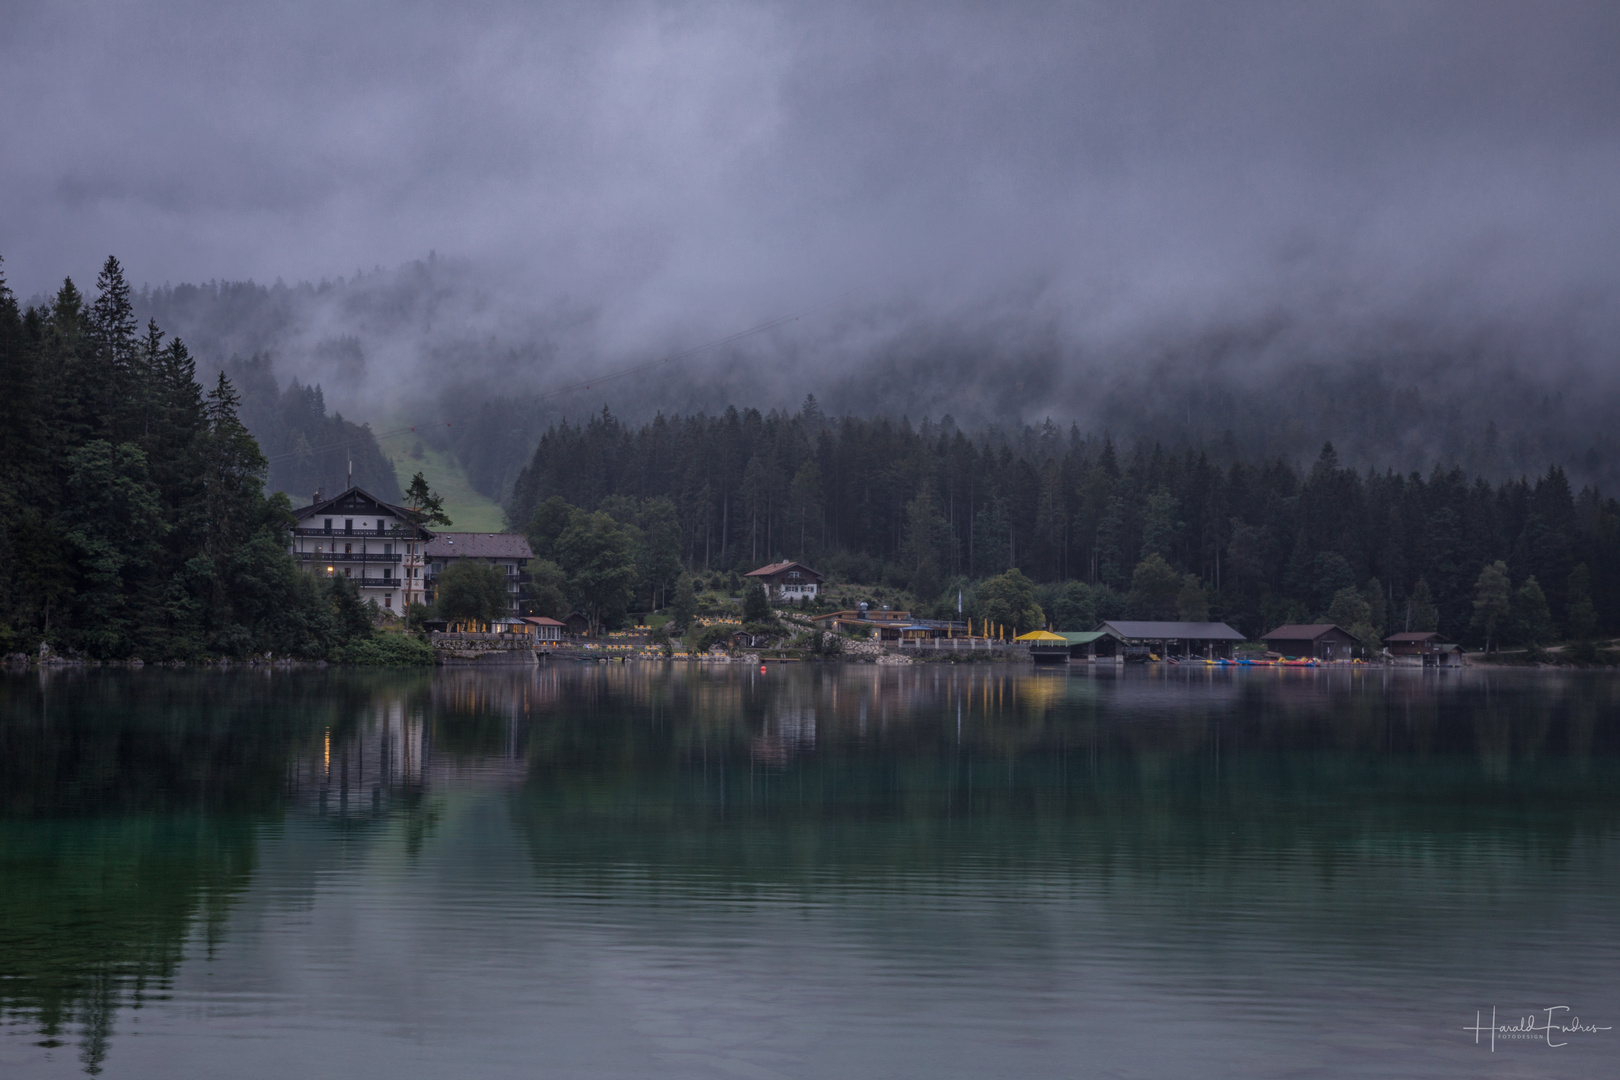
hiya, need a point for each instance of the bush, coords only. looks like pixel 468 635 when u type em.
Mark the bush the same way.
pixel 702 640
pixel 756 605
pixel 385 650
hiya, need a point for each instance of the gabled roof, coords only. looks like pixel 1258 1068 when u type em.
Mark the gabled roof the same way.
pixel 1306 632
pixel 1086 638
pixel 776 568
pixel 353 501
pixel 1415 636
pixel 1173 631
pixel 1044 637
pixel 541 620
pixel 471 545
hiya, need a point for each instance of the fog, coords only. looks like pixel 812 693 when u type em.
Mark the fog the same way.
pixel 1007 212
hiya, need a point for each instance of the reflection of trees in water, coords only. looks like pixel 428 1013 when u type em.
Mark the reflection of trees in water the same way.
pixel 869 771
pixel 129 803
pixel 95 913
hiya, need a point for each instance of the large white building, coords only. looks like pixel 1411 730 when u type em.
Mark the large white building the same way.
pixel 376 544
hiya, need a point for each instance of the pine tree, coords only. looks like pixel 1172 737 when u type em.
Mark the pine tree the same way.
pixel 1493 595
pixel 112 328
pixel 1583 622
pixel 427 504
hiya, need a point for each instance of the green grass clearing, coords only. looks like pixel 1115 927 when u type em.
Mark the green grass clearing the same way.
pixel 469 510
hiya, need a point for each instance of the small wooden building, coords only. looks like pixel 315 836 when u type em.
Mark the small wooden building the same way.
pixel 1413 643
pixel 546 632
pixel 787 580
pixel 576 625
pixel 1319 641
pixel 1423 647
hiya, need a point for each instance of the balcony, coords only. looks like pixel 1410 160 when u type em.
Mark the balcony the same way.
pixel 343 557
pixel 388 531
pixel 379 582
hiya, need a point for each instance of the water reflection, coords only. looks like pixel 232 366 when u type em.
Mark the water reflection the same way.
pixel 1174 822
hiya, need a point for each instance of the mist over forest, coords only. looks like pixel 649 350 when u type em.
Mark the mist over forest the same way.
pixel 424 345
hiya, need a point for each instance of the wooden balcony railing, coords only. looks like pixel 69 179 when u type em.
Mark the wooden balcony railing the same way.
pixel 344 557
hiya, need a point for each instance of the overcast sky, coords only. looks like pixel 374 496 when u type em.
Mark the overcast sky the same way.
pixel 1107 169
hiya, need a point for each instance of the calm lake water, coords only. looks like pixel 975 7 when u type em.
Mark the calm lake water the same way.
pixel 838 871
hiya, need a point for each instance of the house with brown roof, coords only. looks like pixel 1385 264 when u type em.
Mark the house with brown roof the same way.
pixel 787 580
pixel 508 552
pixel 547 633
pixel 1320 641
pixel 1424 647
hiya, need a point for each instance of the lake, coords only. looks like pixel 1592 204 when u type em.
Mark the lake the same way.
pixel 812 872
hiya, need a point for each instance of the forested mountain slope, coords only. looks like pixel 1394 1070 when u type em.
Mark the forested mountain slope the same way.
pixel 1255 541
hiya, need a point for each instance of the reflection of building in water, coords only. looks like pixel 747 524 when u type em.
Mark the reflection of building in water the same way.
pixel 360 771
pixel 790 728
pixel 469 726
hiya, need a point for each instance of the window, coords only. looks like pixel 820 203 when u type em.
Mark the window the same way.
pixel 328 526
pixel 348 525
pixel 388 601
pixel 379 525
pixel 388 549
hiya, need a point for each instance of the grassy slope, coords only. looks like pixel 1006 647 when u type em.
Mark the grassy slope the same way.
pixel 469 511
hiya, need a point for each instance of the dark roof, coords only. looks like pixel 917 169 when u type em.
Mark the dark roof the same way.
pixel 1415 635
pixel 1173 631
pixel 357 501
pixel 473 545
pixel 777 567
pixel 1307 632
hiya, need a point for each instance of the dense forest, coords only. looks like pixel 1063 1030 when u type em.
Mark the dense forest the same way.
pixel 933 509
pixel 306 448
pixel 133 515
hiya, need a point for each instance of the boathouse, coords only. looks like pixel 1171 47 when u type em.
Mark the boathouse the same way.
pixel 1210 640
pixel 1319 641
pixel 1423 647
pixel 1092 645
